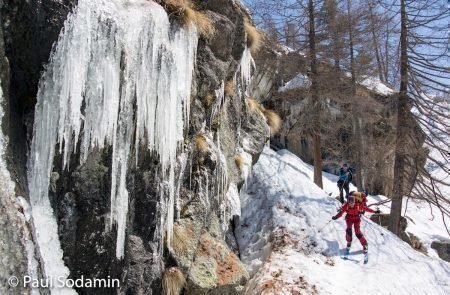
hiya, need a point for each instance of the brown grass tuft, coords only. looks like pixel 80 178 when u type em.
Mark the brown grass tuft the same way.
pixel 204 25
pixel 208 100
pixel 173 281
pixel 229 88
pixel 239 161
pixel 186 13
pixel 273 120
pixel 202 145
pixel 254 105
pixel 254 36
pixel 181 238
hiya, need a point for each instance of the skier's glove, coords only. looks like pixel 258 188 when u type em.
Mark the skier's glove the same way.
pixel 378 211
pixel 362 212
pixel 334 217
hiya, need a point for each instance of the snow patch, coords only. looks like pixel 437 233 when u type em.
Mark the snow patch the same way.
pixel 246 163
pixel 233 200
pixel 375 84
pixel 299 81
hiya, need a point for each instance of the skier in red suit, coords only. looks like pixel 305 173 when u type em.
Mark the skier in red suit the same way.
pixel 353 210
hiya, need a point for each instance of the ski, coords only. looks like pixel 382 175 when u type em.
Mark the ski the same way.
pixel 357 261
pixel 346 253
pixel 350 259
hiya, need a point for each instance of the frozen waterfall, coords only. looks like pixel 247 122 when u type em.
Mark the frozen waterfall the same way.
pixel 119 67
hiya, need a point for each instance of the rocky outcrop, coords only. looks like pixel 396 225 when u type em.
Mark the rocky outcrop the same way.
pixel 17 250
pixel 443 249
pixel 360 131
pixel 207 176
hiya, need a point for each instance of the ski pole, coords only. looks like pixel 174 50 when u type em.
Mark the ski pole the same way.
pixel 325 225
pixel 368 223
pixel 379 221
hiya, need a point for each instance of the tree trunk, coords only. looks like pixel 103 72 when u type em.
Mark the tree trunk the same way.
pixel 352 53
pixel 334 32
pixel 359 148
pixel 386 54
pixel 317 153
pixel 375 44
pixel 402 121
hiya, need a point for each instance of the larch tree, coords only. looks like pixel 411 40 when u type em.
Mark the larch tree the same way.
pixel 315 95
pixel 424 79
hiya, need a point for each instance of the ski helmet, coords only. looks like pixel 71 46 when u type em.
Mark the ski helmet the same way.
pixel 351 199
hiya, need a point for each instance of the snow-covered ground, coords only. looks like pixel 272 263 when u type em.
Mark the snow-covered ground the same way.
pixel 299 81
pixel 375 84
pixel 372 83
pixel 288 245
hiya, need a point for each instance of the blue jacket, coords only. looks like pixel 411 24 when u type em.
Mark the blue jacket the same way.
pixel 342 175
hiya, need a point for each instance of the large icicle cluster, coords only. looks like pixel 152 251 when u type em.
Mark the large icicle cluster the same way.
pixel 118 68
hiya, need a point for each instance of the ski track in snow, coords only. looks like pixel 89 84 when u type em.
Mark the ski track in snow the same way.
pixel 281 195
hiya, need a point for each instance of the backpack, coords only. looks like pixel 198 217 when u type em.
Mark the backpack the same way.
pixel 359 198
pixel 350 175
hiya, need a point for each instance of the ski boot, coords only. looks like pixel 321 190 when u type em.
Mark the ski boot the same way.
pixel 347 252
pixel 366 254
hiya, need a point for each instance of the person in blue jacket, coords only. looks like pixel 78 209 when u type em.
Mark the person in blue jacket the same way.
pixel 345 177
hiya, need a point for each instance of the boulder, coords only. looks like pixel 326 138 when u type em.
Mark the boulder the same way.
pixel 443 249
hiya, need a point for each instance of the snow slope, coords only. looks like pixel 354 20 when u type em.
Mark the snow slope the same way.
pixel 280 241
pixel 375 84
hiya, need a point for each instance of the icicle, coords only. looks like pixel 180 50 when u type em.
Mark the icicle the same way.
pixel 221 184
pixel 231 206
pixel 170 207
pixel 246 65
pixel 183 159
pixel 220 96
pixel 207 203
pixel 117 67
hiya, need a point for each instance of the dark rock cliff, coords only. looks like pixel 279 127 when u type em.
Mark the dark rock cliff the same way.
pixel 30 30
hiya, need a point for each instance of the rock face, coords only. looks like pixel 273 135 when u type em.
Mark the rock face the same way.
pixel 16 247
pixel 208 178
pixel 361 132
pixel 443 249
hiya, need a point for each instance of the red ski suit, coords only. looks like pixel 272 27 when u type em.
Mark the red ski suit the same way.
pixel 353 219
